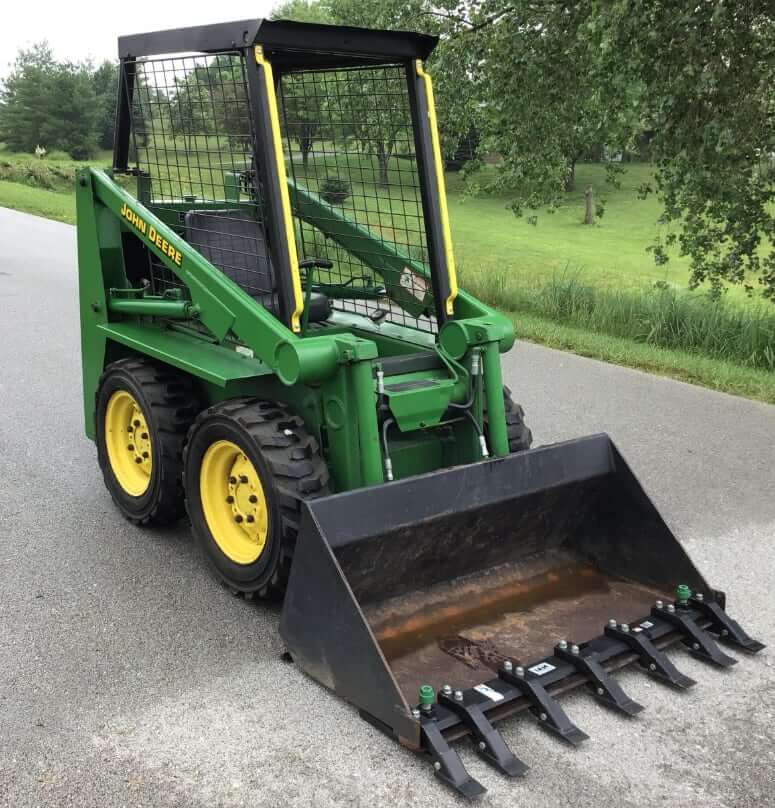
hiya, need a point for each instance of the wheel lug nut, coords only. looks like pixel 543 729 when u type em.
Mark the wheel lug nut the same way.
pixel 253 498
pixel 232 480
pixel 144 436
pixel 230 499
pixel 237 518
pixel 131 447
pixel 251 518
pixel 138 460
pixel 136 422
pixel 146 455
pixel 243 478
pixel 130 429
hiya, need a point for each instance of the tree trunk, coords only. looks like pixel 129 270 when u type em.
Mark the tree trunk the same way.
pixel 383 158
pixel 570 180
pixel 589 206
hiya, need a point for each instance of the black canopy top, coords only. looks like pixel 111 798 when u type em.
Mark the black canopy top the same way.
pixel 289 45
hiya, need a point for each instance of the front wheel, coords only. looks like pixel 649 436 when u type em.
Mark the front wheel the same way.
pixel 520 436
pixel 248 465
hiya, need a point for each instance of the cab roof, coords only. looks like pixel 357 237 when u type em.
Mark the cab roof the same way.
pixel 289 45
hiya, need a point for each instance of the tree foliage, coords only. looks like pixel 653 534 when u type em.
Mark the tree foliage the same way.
pixel 58 105
pixel 707 71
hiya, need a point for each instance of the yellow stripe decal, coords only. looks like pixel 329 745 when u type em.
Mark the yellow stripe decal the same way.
pixel 441 187
pixel 285 200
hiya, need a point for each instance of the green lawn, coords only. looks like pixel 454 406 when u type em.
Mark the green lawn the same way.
pixel 501 257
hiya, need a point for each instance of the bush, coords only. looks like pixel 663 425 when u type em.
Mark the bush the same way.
pixel 659 315
pixel 335 190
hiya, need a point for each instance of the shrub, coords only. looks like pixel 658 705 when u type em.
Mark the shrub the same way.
pixel 335 190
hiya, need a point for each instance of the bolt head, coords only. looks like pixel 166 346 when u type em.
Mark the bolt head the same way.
pixel 253 499
pixel 437 765
pixel 695 646
pixel 458 695
pixel 724 632
pixel 652 667
pixel 446 690
pixel 563 644
pixel 230 499
pixel 520 671
pixel 251 518
pixel 242 478
pixel 574 649
pixel 612 623
pixel 136 422
pixel 600 691
pixel 543 716
pixel 238 518
pixel 698 596
pixel 482 745
pixel 232 480
pixel 130 429
pixel 138 460
pixel 670 608
pixel 131 447
pixel 625 628
pixel 415 713
pixel 659 604
pixel 508 665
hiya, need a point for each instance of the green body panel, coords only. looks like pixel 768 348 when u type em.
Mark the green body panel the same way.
pixel 232 346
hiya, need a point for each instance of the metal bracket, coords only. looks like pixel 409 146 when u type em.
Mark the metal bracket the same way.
pixel 722 624
pixel 651 658
pixel 489 744
pixel 701 645
pixel 446 762
pixel 549 713
pixel 604 687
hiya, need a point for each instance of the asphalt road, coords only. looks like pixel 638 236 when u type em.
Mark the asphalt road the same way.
pixel 128 678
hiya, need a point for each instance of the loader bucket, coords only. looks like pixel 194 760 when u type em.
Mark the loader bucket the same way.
pixel 460 576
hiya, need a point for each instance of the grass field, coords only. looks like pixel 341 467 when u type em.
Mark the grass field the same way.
pixel 519 266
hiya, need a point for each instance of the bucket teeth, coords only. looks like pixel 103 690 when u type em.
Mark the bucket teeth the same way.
pixel 654 661
pixel 446 762
pixel 604 687
pixel 722 624
pixel 489 744
pixel 549 713
pixel 701 645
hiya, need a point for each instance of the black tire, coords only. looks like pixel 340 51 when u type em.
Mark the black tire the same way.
pixel 290 468
pixel 520 437
pixel 169 405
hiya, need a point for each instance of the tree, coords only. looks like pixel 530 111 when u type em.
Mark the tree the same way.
pixel 25 99
pixel 708 76
pixel 105 78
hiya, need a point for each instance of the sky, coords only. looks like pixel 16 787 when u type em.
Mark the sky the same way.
pixel 79 30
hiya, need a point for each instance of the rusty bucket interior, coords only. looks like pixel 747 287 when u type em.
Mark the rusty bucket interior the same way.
pixel 439 578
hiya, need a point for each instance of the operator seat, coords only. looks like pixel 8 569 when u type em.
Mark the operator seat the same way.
pixel 234 241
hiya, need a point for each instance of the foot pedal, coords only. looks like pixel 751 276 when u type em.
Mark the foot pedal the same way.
pixel 489 744
pixel 722 624
pixel 701 645
pixel 604 687
pixel 651 658
pixel 446 762
pixel 549 713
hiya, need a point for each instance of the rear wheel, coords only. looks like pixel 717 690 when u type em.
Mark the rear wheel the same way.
pixel 143 412
pixel 248 465
pixel 520 437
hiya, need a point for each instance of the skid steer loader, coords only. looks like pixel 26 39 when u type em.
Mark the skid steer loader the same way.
pixel 274 342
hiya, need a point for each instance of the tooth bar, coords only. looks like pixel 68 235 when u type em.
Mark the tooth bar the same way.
pixel 472 711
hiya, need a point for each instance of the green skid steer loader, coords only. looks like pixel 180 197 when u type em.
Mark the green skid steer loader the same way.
pixel 274 343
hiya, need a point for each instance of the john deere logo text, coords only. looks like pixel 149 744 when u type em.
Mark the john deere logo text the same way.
pixel 150 232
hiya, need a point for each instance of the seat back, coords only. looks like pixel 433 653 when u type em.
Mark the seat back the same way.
pixel 233 241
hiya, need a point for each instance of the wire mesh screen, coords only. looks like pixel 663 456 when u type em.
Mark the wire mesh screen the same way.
pixel 193 135
pixel 350 152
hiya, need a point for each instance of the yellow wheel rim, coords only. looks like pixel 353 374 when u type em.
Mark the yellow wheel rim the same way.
pixel 128 442
pixel 233 502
